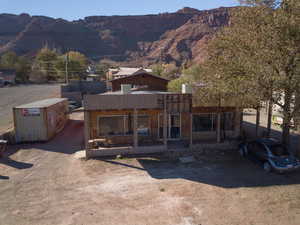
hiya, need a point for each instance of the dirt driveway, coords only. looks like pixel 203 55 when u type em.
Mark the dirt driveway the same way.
pixel 45 184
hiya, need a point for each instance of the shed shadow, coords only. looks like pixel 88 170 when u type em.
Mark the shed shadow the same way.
pixel 4 177
pixel 68 141
pixel 15 164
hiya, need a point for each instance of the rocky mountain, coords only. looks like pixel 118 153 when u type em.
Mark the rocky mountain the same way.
pixel 177 37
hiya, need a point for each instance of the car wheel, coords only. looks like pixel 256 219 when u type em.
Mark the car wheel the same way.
pixel 267 167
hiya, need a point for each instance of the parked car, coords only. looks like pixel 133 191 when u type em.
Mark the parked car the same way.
pixel 270 154
pixel 73 105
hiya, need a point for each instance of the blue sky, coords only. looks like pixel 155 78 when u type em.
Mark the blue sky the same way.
pixel 75 9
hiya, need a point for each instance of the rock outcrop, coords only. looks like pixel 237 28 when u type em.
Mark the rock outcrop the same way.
pixel 144 39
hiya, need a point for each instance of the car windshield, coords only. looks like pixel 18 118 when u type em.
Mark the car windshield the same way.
pixel 279 150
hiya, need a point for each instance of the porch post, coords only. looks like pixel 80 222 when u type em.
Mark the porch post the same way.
pixel 165 125
pixel 191 130
pixel 238 122
pixel 135 125
pixel 86 132
pixel 257 122
pixel 219 127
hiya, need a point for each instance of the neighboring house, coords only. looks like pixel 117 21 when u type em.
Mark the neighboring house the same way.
pixel 141 81
pixel 7 76
pixel 123 72
pixel 133 122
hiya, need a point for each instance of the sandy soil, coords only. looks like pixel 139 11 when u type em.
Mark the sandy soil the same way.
pixel 23 94
pixel 45 184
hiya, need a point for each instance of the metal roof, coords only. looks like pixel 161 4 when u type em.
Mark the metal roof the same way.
pixel 125 71
pixel 42 104
pixel 140 93
pixel 140 73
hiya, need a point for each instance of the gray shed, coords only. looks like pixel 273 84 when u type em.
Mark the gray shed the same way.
pixel 41 120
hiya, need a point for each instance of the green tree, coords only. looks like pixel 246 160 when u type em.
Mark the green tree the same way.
pixel 23 69
pixel 8 60
pixel 256 58
pixel 169 71
pixel 45 61
pixel 75 63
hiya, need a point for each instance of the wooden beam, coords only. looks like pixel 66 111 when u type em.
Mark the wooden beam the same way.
pixel 219 127
pixel 165 125
pixel 191 130
pixel 135 127
pixel 257 122
pixel 87 132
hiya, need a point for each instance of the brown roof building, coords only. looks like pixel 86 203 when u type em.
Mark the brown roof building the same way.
pixel 141 81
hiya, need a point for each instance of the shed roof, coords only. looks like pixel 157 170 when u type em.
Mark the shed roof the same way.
pixel 42 104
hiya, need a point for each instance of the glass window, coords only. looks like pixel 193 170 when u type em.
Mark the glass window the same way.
pixel 204 122
pixel 128 124
pixel 113 125
pixel 227 121
pixel 143 127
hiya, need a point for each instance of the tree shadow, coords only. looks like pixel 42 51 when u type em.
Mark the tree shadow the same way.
pixel 234 173
pixel 228 171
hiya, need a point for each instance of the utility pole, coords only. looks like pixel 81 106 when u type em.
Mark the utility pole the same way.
pixel 67 74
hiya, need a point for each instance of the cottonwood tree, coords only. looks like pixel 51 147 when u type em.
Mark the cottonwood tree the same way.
pixel 257 58
pixel 45 63
pixel 76 65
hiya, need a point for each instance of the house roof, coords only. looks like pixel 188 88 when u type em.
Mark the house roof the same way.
pixel 138 73
pixel 140 93
pixel 42 104
pixel 125 71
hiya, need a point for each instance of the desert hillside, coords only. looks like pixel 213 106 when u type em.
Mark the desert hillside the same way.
pixel 169 37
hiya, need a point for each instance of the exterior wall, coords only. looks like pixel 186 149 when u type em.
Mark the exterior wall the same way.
pixel 153 83
pixel 30 128
pixel 57 117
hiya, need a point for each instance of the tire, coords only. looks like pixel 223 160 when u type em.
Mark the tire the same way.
pixel 267 167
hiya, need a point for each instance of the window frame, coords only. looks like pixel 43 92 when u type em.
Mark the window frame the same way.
pixel 111 116
pixel 125 116
pixel 149 125
pixel 213 122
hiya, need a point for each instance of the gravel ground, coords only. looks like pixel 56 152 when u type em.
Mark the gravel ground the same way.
pixel 23 94
pixel 45 184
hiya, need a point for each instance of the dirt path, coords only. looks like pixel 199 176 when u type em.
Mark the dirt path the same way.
pixel 45 184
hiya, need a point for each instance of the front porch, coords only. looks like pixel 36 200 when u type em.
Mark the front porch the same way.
pixel 171 147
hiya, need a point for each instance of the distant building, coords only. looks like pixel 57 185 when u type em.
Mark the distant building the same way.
pixel 140 80
pixel 7 76
pixel 124 71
